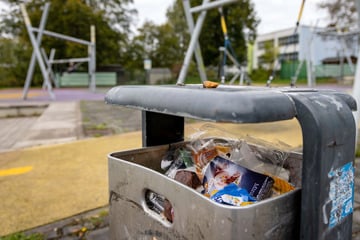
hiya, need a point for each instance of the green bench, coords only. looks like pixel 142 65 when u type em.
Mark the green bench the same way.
pixel 82 79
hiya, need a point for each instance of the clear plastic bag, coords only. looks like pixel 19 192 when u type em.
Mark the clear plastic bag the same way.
pixel 211 142
pixel 253 153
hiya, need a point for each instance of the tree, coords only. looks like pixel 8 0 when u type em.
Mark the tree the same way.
pixel 166 44
pixel 239 16
pixel 270 55
pixel 342 13
pixel 117 13
pixel 73 18
pixel 156 42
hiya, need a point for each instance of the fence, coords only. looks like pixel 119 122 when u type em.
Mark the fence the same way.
pixel 103 79
pixel 322 71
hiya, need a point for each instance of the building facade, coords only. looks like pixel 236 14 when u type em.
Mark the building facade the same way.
pixel 306 44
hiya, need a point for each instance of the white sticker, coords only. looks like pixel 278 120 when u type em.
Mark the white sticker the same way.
pixel 341 193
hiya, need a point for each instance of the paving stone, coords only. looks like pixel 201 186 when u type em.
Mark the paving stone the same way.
pixel 356 196
pixel 356 228
pixel 100 234
pixel 89 226
pixel 105 222
pixel 69 238
pixel 13 130
pixel 52 235
pixel 356 237
pixel 356 216
pixel 71 230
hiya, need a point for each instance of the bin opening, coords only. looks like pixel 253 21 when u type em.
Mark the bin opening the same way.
pixel 160 206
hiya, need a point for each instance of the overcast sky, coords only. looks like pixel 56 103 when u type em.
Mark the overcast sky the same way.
pixel 274 14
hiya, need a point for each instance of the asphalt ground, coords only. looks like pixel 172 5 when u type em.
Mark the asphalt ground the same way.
pixel 48 181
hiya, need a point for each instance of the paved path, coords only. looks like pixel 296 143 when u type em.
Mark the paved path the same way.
pixel 13 130
pixel 59 123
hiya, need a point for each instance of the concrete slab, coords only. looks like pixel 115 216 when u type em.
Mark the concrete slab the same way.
pixel 13 130
pixel 59 123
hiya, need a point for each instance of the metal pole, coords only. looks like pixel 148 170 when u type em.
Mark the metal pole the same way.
pixel 236 76
pixel 194 38
pixel 346 52
pixel 36 50
pixel 198 55
pixel 31 68
pixel 62 36
pixel 51 73
pixel 231 57
pixel 309 72
pixel 92 62
pixel 208 6
pixel 57 61
pixel 294 78
pixel 48 62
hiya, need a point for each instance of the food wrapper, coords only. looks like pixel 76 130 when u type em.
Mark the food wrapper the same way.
pixel 176 159
pixel 205 150
pixel 281 186
pixel 188 178
pixel 220 172
pixel 233 195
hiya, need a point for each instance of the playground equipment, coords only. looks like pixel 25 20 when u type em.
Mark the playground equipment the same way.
pixel 271 77
pixel 41 57
pixel 195 29
pixel 228 51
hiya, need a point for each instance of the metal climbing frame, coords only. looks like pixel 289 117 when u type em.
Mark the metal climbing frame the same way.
pixel 195 30
pixel 39 54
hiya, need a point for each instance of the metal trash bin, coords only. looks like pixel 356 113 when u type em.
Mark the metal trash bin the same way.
pixel 322 209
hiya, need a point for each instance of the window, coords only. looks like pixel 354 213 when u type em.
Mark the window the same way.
pixel 293 56
pixel 292 39
pixel 268 43
pixel 260 60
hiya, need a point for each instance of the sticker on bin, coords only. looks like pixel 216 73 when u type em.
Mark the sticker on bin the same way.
pixel 341 193
pixel 221 172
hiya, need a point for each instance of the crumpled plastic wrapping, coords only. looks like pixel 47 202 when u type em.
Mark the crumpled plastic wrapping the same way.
pixel 249 169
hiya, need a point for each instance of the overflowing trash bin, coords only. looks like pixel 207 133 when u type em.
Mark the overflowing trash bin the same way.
pixel 199 189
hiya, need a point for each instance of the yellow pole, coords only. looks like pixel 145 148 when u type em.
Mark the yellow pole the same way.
pixel 300 12
pixel 223 22
pixel 223 25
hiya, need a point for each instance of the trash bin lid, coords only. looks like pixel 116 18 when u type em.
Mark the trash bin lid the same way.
pixel 239 105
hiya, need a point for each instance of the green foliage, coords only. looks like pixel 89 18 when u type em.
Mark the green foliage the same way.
pixel 260 75
pixel 239 16
pixel 158 43
pixel 357 151
pixel 72 18
pixel 22 236
pixel 270 55
pixel 166 44
pixel 342 13
pixel 13 62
